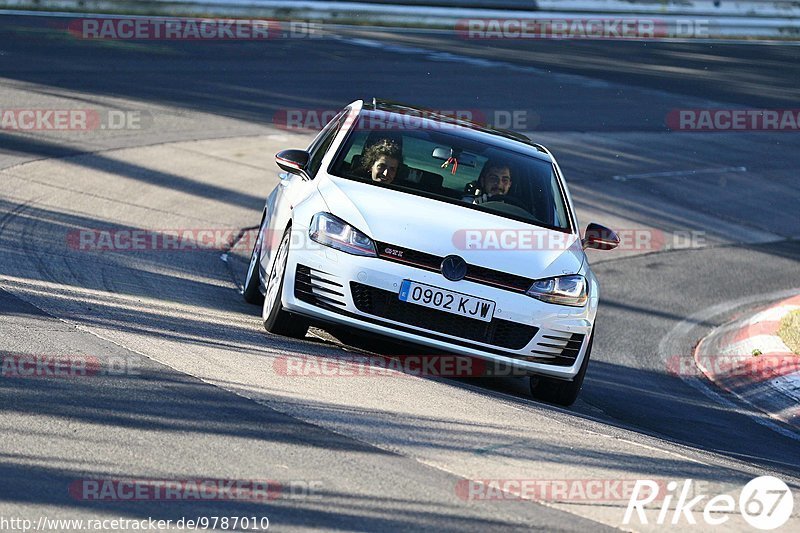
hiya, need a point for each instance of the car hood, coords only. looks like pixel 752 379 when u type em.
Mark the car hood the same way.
pixel 441 228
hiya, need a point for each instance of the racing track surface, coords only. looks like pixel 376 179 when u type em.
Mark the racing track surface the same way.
pixel 205 398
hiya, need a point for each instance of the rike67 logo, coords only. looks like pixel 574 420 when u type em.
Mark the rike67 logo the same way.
pixel 765 503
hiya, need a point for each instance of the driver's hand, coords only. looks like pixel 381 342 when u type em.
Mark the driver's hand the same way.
pixel 481 199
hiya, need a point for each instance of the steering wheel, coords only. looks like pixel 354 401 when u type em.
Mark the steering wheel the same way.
pixel 505 198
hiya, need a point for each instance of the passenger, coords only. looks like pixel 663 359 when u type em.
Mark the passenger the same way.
pixel 495 180
pixel 381 161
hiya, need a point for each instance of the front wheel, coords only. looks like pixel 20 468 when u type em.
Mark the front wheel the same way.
pixel 558 391
pixel 276 319
pixel 252 281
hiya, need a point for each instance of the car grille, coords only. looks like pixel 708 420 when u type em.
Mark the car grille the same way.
pixel 386 304
pixel 312 286
pixel 433 263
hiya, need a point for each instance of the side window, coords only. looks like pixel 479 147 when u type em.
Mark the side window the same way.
pixel 319 147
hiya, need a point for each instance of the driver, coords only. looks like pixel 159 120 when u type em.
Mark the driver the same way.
pixel 495 180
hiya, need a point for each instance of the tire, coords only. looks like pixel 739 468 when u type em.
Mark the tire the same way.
pixel 558 391
pixel 276 319
pixel 252 281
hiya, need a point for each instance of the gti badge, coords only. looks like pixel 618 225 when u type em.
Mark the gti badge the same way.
pixel 454 268
pixel 392 251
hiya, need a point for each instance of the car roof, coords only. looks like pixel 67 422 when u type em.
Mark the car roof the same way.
pixel 472 131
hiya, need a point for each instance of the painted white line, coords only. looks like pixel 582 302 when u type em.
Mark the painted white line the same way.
pixel 678 173
pixel 731 329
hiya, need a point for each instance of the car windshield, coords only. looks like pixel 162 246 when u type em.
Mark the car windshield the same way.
pixel 446 166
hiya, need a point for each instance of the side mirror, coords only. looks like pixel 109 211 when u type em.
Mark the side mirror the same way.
pixel 293 161
pixel 599 237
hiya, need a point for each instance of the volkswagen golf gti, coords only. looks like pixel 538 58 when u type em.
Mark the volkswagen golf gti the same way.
pixel 436 231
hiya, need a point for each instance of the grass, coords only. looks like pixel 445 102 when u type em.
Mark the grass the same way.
pixel 790 331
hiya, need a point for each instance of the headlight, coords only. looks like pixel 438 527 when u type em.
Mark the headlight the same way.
pixel 563 290
pixel 330 231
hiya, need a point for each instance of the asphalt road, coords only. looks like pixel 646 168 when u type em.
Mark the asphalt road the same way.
pixel 201 397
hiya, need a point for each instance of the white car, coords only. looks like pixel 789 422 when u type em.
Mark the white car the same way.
pixel 440 232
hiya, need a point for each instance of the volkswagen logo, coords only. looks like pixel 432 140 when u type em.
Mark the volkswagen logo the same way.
pixel 454 268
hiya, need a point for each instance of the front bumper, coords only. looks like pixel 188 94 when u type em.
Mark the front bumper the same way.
pixel 525 334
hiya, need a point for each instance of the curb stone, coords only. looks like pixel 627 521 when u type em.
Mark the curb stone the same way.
pixel 770 381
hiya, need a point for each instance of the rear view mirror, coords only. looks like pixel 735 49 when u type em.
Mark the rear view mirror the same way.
pixel 464 159
pixel 441 154
pixel 293 161
pixel 600 238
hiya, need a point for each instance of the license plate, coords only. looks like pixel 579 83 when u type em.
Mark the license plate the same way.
pixel 447 301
